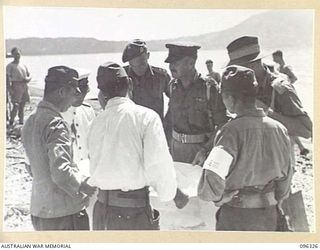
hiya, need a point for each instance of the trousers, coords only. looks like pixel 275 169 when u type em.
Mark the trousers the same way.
pixel 78 221
pixel 124 218
pixel 246 219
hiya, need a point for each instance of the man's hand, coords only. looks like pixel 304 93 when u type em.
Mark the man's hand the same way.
pixel 86 188
pixel 181 200
pixel 226 197
pixel 200 157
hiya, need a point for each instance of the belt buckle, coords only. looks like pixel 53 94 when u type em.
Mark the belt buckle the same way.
pixel 237 200
pixel 183 138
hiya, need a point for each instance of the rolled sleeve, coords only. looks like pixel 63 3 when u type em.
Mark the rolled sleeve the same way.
pixel 211 186
pixel 63 172
pixel 158 163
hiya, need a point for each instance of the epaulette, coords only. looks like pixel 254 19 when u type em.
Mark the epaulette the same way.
pixel 86 104
pixel 281 84
pixel 159 70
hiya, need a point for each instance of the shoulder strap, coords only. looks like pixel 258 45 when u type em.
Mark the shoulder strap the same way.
pixel 273 96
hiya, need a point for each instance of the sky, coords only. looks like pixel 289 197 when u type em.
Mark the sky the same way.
pixel 117 24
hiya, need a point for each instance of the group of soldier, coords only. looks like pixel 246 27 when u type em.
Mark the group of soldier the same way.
pixel 240 128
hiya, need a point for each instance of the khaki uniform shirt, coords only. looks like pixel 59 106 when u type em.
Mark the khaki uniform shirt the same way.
pixel 148 89
pixel 56 180
pixel 260 149
pixel 189 107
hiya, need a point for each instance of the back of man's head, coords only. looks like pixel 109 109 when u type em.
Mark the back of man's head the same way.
pixel 14 50
pixel 112 80
pixel 278 53
pixel 59 76
pixel 239 82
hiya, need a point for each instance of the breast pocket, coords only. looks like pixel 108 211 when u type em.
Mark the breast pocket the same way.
pixel 198 112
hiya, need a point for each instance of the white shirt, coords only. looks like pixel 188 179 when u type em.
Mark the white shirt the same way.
pixel 79 120
pixel 128 150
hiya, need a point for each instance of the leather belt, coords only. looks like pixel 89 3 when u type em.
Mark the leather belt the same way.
pixel 185 138
pixel 117 198
pixel 253 200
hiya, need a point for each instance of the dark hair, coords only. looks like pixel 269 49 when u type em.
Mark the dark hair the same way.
pixel 114 89
pixel 245 99
pixel 14 49
pixel 278 53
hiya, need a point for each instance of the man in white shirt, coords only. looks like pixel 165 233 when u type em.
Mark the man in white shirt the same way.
pixel 79 117
pixel 128 153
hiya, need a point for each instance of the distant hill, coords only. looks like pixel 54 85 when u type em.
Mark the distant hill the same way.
pixel 275 29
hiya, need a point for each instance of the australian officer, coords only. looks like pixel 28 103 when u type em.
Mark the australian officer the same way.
pixel 195 109
pixel 149 82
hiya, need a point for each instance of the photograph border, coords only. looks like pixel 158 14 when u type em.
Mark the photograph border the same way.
pixel 172 236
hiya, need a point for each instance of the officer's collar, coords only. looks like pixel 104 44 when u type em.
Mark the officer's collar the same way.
pixel 149 71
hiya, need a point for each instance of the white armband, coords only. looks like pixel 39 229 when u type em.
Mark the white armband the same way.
pixel 219 162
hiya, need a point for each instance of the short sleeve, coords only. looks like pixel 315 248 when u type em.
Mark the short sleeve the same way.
pixel 226 139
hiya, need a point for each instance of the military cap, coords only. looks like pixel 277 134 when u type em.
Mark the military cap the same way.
pixel 179 50
pixel 237 79
pixel 133 49
pixel 110 73
pixel 83 79
pixel 14 49
pixel 209 61
pixel 61 75
pixel 244 49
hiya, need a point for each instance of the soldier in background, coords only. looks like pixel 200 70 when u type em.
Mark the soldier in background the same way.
pixel 211 73
pixel 17 78
pixel 283 67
